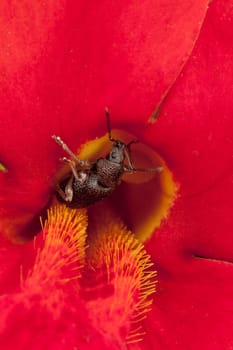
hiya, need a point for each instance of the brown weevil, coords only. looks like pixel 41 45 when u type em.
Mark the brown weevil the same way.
pixel 90 182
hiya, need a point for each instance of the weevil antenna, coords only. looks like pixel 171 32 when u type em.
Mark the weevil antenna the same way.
pixel 109 125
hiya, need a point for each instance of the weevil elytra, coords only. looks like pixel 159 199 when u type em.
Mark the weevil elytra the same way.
pixel 90 182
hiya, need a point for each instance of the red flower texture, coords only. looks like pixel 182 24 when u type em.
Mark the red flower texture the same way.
pixel 78 287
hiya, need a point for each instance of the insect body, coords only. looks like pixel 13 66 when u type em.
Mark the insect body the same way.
pixel 90 182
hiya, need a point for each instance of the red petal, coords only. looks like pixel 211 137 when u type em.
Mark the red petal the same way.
pixel 193 309
pixel 12 258
pixel 195 134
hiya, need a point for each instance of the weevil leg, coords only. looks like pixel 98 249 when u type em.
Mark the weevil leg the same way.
pixel 128 169
pixel 81 163
pixel 128 154
pixel 66 195
pixel 80 176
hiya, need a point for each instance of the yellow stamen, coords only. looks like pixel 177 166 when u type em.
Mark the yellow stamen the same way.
pixel 61 256
pixel 119 298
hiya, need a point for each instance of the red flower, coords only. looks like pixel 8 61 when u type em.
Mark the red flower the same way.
pixel 61 64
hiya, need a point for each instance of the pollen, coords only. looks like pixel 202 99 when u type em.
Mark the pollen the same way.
pixel 60 256
pixel 119 280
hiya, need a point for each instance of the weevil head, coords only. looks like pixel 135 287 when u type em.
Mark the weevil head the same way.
pixel 117 153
